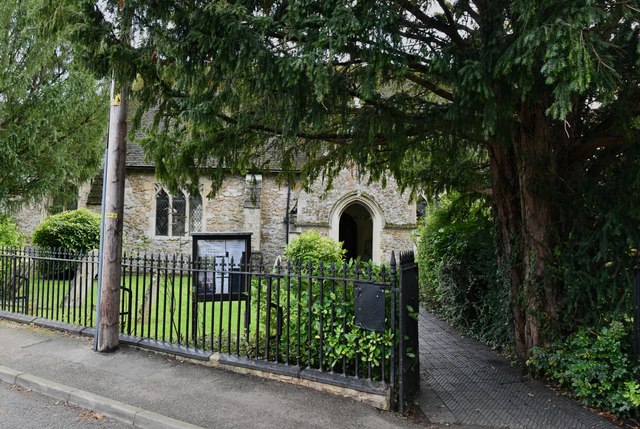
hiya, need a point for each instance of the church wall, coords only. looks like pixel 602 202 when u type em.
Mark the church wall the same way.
pixel 398 213
pixel 315 207
pixel 273 210
pixel 257 205
pixel 229 211
pixel 28 218
pixel 224 213
pixel 396 240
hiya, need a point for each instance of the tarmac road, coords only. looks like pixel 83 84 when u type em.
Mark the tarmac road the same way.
pixel 23 409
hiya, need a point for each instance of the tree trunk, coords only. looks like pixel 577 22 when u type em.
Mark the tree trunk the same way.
pixel 523 173
pixel 506 208
pixel 537 171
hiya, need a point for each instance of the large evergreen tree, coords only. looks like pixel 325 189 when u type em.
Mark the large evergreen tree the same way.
pixel 52 116
pixel 517 98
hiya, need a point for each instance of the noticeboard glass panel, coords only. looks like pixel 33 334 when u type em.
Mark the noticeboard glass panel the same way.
pixel 222 254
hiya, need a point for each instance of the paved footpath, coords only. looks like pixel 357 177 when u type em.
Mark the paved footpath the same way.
pixel 466 383
pixel 155 391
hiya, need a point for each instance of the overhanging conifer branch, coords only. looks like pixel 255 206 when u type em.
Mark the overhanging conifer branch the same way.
pixel 430 86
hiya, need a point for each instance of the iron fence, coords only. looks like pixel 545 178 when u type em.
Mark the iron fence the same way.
pixel 340 320
pixel 53 284
pixel 293 314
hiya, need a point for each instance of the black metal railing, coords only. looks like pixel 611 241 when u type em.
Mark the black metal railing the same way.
pixel 292 314
pixel 52 284
pixel 341 319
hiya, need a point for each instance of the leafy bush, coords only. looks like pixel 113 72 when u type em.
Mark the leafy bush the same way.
pixel 10 237
pixel 75 230
pixel 595 366
pixel 312 248
pixel 9 234
pixel 323 306
pixel 458 266
pixel 595 254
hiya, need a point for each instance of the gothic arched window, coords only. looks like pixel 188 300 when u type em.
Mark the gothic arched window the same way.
pixel 195 212
pixel 163 209
pixel 175 212
pixel 178 226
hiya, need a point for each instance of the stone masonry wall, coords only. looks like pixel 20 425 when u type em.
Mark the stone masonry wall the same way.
pixel 28 218
pixel 274 210
pixel 314 209
pixel 263 213
pixel 222 214
pixel 396 240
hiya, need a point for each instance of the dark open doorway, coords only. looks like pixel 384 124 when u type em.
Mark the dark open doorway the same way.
pixel 356 232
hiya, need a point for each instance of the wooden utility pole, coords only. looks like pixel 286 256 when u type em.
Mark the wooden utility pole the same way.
pixel 108 331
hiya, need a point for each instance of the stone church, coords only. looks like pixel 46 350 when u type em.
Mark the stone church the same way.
pixel 370 219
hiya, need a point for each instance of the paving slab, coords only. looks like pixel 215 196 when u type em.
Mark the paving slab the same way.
pixel 465 382
pixel 161 390
pixel 464 385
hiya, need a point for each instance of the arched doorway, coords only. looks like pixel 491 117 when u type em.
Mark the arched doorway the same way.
pixel 357 204
pixel 356 231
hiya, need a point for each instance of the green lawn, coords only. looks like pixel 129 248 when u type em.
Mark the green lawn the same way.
pixel 164 312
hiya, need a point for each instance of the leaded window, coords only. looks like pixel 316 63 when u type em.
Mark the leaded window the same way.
pixel 162 213
pixel 179 214
pixel 175 212
pixel 195 212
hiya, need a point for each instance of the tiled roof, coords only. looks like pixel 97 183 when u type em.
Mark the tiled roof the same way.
pixel 135 156
pixel 94 197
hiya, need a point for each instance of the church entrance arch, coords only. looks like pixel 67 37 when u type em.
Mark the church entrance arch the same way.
pixel 357 221
pixel 356 232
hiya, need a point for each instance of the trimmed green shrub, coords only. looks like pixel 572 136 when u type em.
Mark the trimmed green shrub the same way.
pixel 595 366
pixel 458 269
pixel 75 230
pixel 311 247
pixel 9 234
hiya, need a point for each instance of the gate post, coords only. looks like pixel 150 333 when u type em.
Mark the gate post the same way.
pixel 408 359
pixel 636 314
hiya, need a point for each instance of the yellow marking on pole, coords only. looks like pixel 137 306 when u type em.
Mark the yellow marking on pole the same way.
pixel 111 215
pixel 116 100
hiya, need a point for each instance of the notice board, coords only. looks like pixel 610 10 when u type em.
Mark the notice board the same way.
pixel 217 276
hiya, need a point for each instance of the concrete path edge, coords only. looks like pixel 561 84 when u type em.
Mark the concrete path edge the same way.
pixel 137 417
pixel 370 393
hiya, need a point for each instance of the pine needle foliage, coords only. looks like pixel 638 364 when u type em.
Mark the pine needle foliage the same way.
pixel 514 99
pixel 52 113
